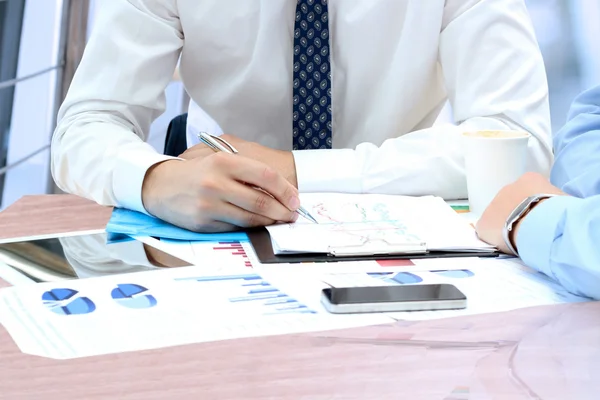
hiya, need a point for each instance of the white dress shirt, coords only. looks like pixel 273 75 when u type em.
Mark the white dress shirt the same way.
pixel 394 63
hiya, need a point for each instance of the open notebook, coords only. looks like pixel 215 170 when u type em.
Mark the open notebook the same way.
pixel 365 224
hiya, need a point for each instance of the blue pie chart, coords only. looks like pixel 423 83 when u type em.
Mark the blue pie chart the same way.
pixel 64 301
pixel 456 273
pixel 404 278
pixel 131 295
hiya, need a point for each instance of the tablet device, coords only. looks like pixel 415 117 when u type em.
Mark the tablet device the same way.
pixel 83 255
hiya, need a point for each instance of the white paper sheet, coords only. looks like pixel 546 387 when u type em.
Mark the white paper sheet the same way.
pixel 490 286
pixel 364 223
pixel 215 255
pixel 12 276
pixel 155 309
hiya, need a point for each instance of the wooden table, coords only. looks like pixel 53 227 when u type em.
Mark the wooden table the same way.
pixel 546 352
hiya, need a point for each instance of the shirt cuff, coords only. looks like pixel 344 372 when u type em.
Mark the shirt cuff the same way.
pixel 327 171
pixel 538 231
pixel 130 171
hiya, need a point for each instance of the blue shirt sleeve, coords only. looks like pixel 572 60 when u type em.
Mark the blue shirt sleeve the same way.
pixel 561 236
pixel 576 167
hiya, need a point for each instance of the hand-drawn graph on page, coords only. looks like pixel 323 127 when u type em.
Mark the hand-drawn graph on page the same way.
pixel 359 233
pixel 350 212
pixel 346 225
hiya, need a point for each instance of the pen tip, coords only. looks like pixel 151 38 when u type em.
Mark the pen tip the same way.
pixel 306 214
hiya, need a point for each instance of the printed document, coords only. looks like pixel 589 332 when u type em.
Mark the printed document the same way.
pixel 154 309
pixel 351 224
pixel 491 285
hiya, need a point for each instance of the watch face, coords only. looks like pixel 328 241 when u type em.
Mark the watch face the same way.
pixel 516 214
pixel 523 206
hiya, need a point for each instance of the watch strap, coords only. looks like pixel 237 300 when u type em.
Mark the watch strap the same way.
pixel 519 213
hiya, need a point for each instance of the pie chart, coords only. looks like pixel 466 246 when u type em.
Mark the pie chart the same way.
pixel 404 278
pixel 63 301
pixel 457 273
pixel 131 295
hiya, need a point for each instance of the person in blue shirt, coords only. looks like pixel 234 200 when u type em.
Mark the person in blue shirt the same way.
pixel 559 236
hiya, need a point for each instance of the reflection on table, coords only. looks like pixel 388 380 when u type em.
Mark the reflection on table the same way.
pixel 82 256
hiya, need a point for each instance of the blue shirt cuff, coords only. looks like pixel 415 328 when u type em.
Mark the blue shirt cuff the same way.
pixel 538 231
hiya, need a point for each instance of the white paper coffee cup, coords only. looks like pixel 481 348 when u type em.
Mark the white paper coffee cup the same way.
pixel 493 159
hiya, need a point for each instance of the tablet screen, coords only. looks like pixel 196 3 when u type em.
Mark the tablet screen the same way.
pixel 82 256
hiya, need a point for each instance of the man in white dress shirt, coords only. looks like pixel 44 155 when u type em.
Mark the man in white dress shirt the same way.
pixel 317 95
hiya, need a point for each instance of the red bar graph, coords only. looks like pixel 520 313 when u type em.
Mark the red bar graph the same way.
pixel 235 249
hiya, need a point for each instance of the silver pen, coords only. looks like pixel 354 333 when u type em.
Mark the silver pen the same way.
pixel 219 144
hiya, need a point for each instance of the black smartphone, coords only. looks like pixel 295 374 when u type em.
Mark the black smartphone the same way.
pixel 393 298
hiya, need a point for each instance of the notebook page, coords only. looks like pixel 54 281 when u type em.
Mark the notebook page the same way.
pixel 359 223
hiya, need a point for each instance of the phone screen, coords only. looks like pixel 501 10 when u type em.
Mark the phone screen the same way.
pixel 393 294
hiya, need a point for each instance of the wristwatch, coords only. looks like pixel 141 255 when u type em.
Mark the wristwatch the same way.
pixel 519 213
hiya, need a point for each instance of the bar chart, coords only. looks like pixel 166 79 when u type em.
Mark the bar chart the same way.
pixel 234 249
pixel 228 253
pixel 251 292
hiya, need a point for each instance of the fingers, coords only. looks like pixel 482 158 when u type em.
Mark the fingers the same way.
pixel 225 195
pixel 258 202
pixel 258 174
pixel 234 215
pixel 200 219
pixel 225 218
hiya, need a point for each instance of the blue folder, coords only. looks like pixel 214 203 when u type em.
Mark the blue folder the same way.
pixel 124 223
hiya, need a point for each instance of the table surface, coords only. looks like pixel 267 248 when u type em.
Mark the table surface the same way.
pixel 543 352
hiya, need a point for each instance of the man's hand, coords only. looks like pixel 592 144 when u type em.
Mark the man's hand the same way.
pixel 279 160
pixel 491 223
pixel 213 193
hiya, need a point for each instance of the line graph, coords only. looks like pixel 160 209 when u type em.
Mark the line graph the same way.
pixel 349 212
pixel 343 235
pixel 352 224
pixel 388 232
